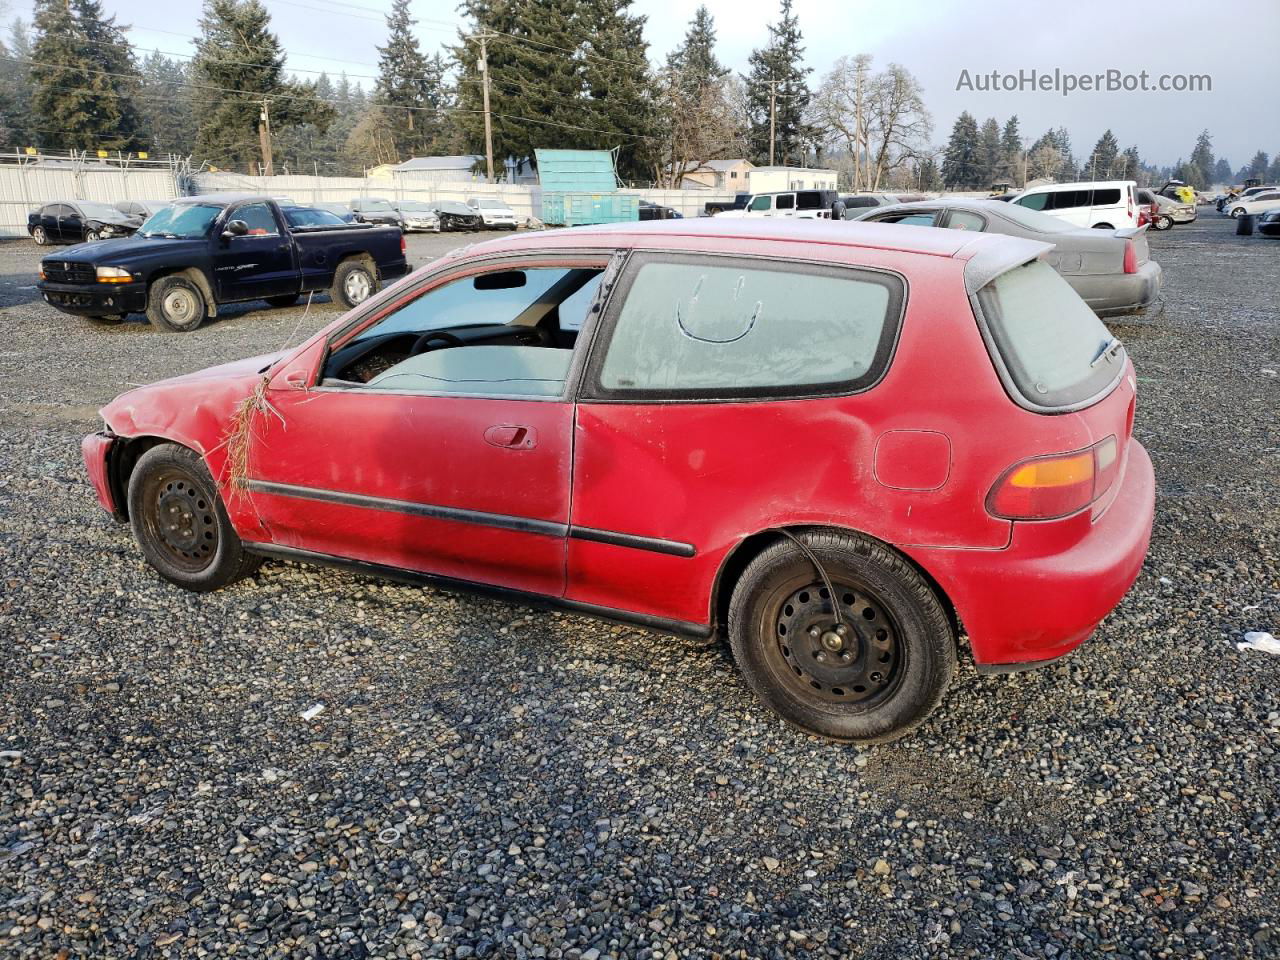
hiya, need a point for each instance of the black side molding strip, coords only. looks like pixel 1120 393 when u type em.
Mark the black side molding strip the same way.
pixel 673 548
pixel 648 621
pixel 413 508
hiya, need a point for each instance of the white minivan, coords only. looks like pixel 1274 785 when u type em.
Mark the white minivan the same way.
pixel 1106 204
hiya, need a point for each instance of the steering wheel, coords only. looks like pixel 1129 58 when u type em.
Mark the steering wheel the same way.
pixel 420 344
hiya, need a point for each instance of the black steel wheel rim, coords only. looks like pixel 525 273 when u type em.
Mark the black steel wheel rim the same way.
pixel 856 660
pixel 181 522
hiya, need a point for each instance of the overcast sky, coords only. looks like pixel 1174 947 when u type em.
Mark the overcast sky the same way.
pixel 934 39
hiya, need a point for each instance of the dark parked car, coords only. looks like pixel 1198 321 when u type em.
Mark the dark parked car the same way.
pixel 141 208
pixel 202 252
pixel 456 215
pixel 655 211
pixel 1111 270
pixel 376 210
pixel 1269 224
pixel 78 221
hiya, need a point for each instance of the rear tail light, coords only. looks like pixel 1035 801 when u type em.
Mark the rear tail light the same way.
pixel 1130 257
pixel 1046 488
pixel 404 247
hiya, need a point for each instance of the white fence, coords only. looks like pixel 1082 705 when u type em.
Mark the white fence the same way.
pixel 25 185
pixel 524 199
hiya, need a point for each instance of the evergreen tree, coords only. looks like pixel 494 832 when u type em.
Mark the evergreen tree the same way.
pixel 1202 157
pixel 408 88
pixel 115 77
pixel 1011 150
pixel 618 84
pixel 928 176
pixel 1133 169
pixel 166 105
pixel 990 157
pixel 64 99
pixel 1222 171
pixel 238 72
pixel 961 163
pixel 777 73
pixel 538 96
pixel 1187 172
pixel 1103 157
pixel 1258 166
pixel 695 61
pixel 17 126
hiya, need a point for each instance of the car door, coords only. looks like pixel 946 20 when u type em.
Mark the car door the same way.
pixel 70 223
pixel 760 206
pixel 784 205
pixel 49 220
pixel 259 263
pixel 454 462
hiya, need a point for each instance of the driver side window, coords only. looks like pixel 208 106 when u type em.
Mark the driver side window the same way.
pixel 258 218
pixel 508 332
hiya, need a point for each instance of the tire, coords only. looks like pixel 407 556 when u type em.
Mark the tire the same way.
pixel 39 236
pixel 284 300
pixel 91 236
pixel 897 666
pixel 353 283
pixel 1237 213
pixel 1162 223
pixel 176 304
pixel 181 524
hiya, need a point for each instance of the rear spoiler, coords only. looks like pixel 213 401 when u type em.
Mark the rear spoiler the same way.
pixel 992 257
pixel 1126 232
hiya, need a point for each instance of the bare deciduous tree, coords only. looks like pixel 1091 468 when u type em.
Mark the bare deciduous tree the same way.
pixel 878 118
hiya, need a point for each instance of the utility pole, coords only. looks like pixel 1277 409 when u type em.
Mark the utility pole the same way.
pixel 264 137
pixel 483 65
pixel 773 113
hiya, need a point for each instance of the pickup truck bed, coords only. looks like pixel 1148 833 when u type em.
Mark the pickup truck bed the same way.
pixel 204 252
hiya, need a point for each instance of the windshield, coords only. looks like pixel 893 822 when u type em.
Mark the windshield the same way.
pixel 371 205
pixel 417 206
pixel 489 204
pixel 99 210
pixel 1032 219
pixel 184 221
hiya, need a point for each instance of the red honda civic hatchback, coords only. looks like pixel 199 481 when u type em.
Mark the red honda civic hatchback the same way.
pixel 842 444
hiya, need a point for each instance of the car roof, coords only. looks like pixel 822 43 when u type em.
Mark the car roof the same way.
pixel 1082 185
pixel 986 254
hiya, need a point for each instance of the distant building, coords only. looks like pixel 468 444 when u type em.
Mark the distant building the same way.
pixel 467 168
pixel 717 175
pixel 772 179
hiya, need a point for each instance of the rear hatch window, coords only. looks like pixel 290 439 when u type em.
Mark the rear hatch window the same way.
pixel 1054 351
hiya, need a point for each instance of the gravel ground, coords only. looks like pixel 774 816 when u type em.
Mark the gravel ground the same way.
pixel 486 781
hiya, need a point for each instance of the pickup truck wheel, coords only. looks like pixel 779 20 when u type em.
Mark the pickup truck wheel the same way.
pixel 180 522
pixel 39 236
pixel 284 300
pixel 176 304
pixel 353 283
pixel 869 675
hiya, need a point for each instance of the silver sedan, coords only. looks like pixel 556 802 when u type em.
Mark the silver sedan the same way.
pixel 1112 270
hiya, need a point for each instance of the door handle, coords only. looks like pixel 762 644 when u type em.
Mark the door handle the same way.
pixel 512 436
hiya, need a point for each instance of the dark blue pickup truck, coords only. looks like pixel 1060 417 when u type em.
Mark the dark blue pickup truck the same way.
pixel 201 252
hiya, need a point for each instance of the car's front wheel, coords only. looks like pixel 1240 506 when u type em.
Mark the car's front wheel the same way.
pixel 91 235
pixel 1237 213
pixel 866 664
pixel 39 236
pixel 180 521
pixel 175 303
pixel 353 283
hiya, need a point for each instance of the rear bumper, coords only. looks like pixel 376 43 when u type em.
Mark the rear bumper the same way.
pixel 394 271
pixel 1036 599
pixel 95 300
pixel 96 450
pixel 1113 294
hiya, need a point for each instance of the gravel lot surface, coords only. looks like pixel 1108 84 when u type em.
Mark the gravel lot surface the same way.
pixel 488 781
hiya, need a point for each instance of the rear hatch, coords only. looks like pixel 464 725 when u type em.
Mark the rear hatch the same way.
pixel 1058 360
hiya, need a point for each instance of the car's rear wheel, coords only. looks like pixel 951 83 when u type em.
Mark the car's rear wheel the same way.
pixel 284 300
pixel 1162 223
pixel 175 303
pixel 353 283
pixel 180 521
pixel 39 236
pixel 871 673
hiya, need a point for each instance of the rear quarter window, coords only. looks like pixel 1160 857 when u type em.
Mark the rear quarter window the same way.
pixel 686 327
pixel 1047 339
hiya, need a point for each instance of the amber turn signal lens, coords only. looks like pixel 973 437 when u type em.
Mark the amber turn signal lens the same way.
pixel 1046 488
